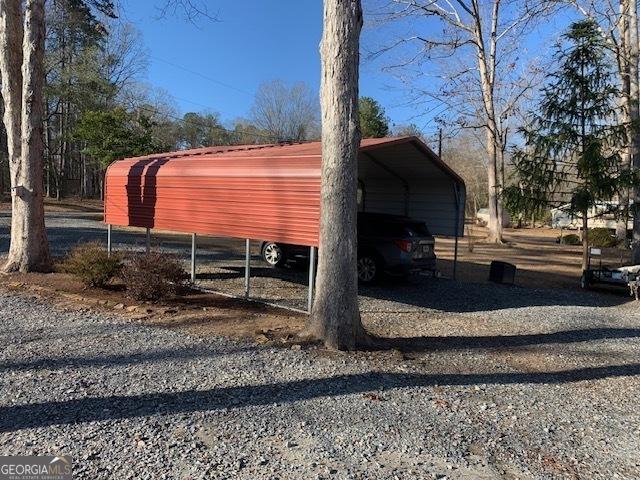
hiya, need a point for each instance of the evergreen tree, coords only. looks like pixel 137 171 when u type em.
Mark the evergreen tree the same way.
pixel 574 143
pixel 115 134
pixel 373 121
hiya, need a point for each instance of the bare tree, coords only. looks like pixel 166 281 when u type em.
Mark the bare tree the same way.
pixel 464 154
pixel 123 58
pixel 286 113
pixel 335 318
pixel 22 92
pixel 628 57
pixel 191 10
pixel 634 94
pixel 481 82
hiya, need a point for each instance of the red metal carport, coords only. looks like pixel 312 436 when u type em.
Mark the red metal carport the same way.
pixel 258 192
pixel 272 192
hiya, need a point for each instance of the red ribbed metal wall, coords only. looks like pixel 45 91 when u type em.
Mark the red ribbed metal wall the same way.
pixel 234 194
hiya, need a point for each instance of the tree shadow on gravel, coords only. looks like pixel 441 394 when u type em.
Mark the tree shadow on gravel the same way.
pixel 431 344
pixel 156 356
pixel 404 344
pixel 458 297
pixel 231 272
pixel 94 409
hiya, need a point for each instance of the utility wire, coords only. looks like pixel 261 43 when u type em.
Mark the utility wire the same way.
pixel 198 74
pixel 217 82
pixel 206 108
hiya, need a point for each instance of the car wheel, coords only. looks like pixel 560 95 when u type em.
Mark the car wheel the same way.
pixel 368 269
pixel 273 254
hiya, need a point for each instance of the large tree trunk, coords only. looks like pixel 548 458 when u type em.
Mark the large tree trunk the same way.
pixel 634 107
pixel 335 318
pixel 495 207
pixel 623 58
pixel 29 250
pixel 11 76
pixel 487 68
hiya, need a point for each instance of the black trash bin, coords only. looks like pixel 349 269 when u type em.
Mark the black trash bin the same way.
pixel 502 272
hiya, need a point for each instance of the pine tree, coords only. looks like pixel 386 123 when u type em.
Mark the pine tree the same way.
pixel 373 120
pixel 574 143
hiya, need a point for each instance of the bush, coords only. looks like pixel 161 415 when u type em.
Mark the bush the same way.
pixel 92 264
pixel 570 239
pixel 153 275
pixel 601 238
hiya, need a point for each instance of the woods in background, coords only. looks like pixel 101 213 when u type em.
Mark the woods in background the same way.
pixel 97 108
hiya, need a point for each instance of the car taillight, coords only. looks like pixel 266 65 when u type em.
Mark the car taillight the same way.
pixel 404 245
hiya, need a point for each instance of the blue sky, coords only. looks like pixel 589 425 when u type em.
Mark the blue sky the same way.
pixel 217 66
pixel 251 43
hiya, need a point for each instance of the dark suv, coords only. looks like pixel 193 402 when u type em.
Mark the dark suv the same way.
pixel 389 244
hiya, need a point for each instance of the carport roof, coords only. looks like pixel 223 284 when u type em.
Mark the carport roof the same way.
pixel 299 149
pixel 272 192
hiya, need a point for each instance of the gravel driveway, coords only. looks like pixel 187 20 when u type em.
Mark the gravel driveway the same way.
pixel 129 401
pixel 492 382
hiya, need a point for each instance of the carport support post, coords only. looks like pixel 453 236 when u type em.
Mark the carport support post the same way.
pixel 456 191
pixel 312 277
pixel 148 240
pixel 109 228
pixel 193 257
pixel 247 267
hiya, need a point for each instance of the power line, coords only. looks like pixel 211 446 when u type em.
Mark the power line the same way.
pixel 198 74
pixel 206 108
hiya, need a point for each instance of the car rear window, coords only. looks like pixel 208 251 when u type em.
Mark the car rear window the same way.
pixel 393 229
pixel 389 229
pixel 417 229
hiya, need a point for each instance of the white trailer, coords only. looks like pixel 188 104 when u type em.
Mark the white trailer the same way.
pixel 601 215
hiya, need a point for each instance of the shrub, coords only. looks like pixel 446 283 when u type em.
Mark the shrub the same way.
pixel 92 264
pixel 601 238
pixel 570 239
pixel 154 275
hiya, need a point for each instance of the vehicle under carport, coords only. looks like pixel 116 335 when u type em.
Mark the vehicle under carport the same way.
pixel 260 192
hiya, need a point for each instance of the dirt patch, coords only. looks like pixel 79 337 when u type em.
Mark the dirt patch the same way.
pixel 196 313
pixel 540 260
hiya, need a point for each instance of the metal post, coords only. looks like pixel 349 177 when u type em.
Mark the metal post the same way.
pixel 456 192
pixel 109 227
pixel 193 257
pixel 247 267
pixel 148 240
pixel 312 277
pixel 455 256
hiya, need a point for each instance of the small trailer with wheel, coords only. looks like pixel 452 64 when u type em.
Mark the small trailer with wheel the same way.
pixel 626 276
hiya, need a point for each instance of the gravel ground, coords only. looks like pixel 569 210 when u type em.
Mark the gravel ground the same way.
pixel 492 382
pixel 129 401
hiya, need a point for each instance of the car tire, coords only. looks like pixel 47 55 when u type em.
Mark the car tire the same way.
pixel 369 269
pixel 273 255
